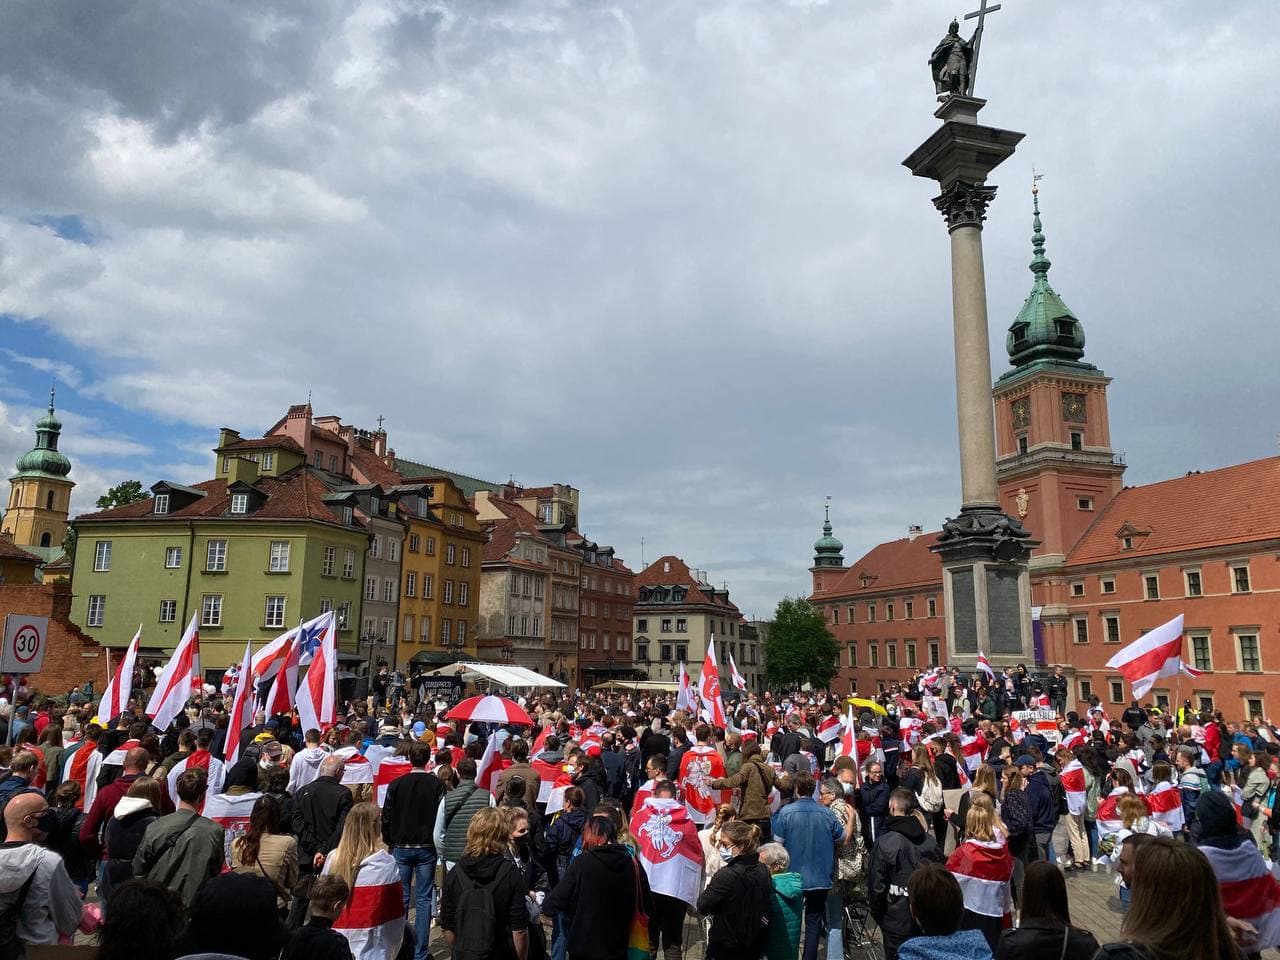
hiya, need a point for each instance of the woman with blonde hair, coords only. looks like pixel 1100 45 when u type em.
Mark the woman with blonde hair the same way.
pixel 710 838
pixel 362 860
pixel 984 782
pixel 922 779
pixel 983 867
pixel 486 863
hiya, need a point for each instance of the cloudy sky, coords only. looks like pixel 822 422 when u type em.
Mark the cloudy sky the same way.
pixel 664 251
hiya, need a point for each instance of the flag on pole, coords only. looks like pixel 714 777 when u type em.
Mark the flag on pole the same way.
pixel 738 680
pixel 489 767
pixel 985 666
pixel 241 710
pixel 829 728
pixel 709 687
pixel 284 688
pixel 684 692
pixel 1156 654
pixel 116 697
pixel 316 696
pixel 179 679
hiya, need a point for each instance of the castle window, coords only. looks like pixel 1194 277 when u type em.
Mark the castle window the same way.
pixel 1019 331
pixel 239 503
pixel 1084 503
pixel 45 539
pixel 1022 443
pixel 1077 440
pixel 1064 327
pixel 48 501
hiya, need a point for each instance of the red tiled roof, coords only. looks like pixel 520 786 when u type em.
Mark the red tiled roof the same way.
pixel 502 537
pixel 265 443
pixel 1239 504
pixel 677 573
pixel 11 551
pixel 297 495
pixel 894 565
pixel 372 469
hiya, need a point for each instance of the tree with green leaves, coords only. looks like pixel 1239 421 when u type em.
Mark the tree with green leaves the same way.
pixel 129 491
pixel 799 648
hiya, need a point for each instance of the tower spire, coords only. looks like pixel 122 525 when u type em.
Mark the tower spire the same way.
pixel 827 549
pixel 1039 262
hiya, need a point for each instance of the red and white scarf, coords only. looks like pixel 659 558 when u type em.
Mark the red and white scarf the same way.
pixel 1249 890
pixel 1073 784
pixel 1165 801
pixel 669 848
pixel 984 869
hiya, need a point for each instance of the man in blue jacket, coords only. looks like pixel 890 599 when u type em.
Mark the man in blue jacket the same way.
pixel 1044 807
pixel 810 833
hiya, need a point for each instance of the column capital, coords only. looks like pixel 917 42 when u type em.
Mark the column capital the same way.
pixel 964 204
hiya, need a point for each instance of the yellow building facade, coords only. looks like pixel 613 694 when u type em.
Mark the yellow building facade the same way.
pixel 40 493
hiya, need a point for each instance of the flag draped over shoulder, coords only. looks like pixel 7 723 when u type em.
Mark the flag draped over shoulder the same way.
pixel 231 814
pixel 974 749
pixel 203 760
pixel 389 770
pixel 984 869
pixel 1165 801
pixel 357 768
pixel 698 767
pixel 373 919
pixel 1073 785
pixel 669 848
pixel 1250 891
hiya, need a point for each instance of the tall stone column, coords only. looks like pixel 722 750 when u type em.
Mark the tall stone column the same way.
pixel 984 552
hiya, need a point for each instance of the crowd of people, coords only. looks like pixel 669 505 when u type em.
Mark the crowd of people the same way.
pixel 931 822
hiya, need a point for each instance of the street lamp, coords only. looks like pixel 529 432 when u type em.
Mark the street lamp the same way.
pixel 372 641
pixel 609 660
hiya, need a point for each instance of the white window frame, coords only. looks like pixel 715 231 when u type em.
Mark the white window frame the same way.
pixel 1207 636
pixel 1113 685
pixel 348 564
pixel 211 610
pixel 466 556
pixel 1076 623
pixel 172 558
pixel 1084 503
pixel 215 556
pixel 1147 576
pixel 1237 566
pixel 239 503
pixel 1237 641
pixel 1077 588
pixel 276 621
pixel 464 593
pixel 102 556
pixel 389 590
pixel 410 583
pixel 446 592
pixel 1107 620
pixel 408 628
pixel 393 549
pixel 446 628
pixel 371 588
pixel 450 553
pixel 268 461
pixel 170 607
pixel 96 613
pixel 424 629
pixel 375 548
pixel 1187 574
pixel 428 586
pixel 330 562
pixel 160 505
pixel 278 557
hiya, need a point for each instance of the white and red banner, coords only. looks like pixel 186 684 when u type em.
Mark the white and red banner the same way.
pixel 669 848
pixel 684 691
pixel 241 711
pixel 1074 786
pixel 698 767
pixel 1109 821
pixel 1157 653
pixel 317 694
pixel 738 680
pixel 984 869
pixel 180 679
pixel 1073 739
pixel 201 759
pixel 1250 892
pixel 389 771
pixel 489 767
pixel 82 765
pixel 231 814
pixel 284 688
pixel 373 919
pixel 116 697
pixel 829 728
pixel 709 688
pixel 974 749
pixel 985 666
pixel 357 769
pixel 1165 802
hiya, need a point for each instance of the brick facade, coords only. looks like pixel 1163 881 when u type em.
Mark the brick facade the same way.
pixel 72 656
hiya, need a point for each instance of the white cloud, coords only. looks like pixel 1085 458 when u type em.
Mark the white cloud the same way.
pixel 61 370
pixel 664 251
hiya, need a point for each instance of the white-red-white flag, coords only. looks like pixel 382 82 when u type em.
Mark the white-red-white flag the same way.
pixel 373 919
pixel 116 697
pixel 828 729
pixel 1155 654
pixel 179 680
pixel 241 710
pixel 1250 891
pixel 232 814
pixel 389 771
pixel 985 667
pixel 698 767
pixel 198 759
pixel 684 691
pixel 317 695
pixel 284 688
pixel 709 687
pixel 1165 801
pixel 1073 784
pixel 668 848
pixel 738 680
pixel 489 767
pixel 984 869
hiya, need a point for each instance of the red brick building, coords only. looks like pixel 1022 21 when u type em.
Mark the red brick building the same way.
pixel 1113 561
pixel 71 657
pixel 607 596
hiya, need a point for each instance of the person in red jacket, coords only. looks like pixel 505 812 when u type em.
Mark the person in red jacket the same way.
pixel 104 804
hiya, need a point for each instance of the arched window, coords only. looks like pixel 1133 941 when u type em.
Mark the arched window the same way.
pixel 48 502
pixel 44 537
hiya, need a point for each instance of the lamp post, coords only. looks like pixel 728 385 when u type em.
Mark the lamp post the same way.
pixel 609 661
pixel 372 640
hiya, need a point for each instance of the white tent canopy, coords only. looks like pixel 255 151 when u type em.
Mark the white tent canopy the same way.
pixel 504 674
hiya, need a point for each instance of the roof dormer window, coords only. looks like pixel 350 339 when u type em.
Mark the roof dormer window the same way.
pixel 1019 331
pixel 161 504
pixel 240 503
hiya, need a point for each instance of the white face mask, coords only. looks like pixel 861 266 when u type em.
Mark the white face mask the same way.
pixel 726 854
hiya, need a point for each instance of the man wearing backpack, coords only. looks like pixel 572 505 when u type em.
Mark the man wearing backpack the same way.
pixel 482 904
pixel 902 845
pixel 460 804
pixel 38 900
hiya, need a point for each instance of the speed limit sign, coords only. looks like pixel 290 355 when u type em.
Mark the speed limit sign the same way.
pixel 24 643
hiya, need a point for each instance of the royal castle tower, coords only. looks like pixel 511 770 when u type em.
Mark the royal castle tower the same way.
pixel 40 493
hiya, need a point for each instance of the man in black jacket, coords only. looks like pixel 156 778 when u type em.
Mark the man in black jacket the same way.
pixel 319 811
pixel 408 820
pixel 902 846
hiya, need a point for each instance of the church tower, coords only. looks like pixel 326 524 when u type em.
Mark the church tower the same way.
pixel 40 493
pixel 1055 466
pixel 828 556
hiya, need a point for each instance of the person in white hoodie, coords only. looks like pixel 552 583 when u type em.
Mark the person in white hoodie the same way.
pixel 34 876
pixel 306 764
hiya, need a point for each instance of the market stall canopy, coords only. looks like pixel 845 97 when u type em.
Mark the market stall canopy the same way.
pixel 507 675
pixel 661 685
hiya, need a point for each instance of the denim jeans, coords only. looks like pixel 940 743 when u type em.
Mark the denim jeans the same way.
pixel 835 924
pixel 559 937
pixel 418 866
pixel 815 918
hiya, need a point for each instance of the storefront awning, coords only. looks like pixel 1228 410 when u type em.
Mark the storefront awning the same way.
pixel 507 675
pixel 661 685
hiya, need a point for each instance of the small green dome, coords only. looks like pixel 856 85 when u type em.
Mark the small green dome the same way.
pixel 44 458
pixel 827 550
pixel 1045 328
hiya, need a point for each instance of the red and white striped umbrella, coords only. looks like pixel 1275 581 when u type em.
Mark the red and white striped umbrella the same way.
pixel 490 710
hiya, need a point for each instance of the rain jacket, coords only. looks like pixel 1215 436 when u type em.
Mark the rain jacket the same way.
pixel 52 906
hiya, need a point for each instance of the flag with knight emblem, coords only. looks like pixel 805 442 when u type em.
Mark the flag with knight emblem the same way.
pixel 669 848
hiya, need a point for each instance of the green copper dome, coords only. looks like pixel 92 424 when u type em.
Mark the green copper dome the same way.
pixel 1045 328
pixel 827 550
pixel 45 458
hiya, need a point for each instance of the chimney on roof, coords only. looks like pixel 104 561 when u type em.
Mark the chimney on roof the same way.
pixel 226 435
pixel 243 470
pixel 380 442
pixel 914 531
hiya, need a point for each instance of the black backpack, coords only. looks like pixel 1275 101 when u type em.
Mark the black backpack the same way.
pixel 475 936
pixel 11 947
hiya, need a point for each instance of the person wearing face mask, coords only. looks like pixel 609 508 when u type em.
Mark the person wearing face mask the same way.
pixel 872 802
pixel 739 898
pixel 33 879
